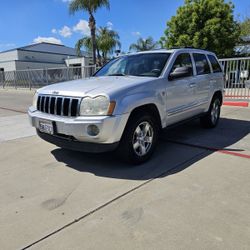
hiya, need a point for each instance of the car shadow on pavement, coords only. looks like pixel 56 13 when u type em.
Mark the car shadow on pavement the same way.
pixel 171 155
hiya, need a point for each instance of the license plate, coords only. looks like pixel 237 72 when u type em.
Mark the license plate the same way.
pixel 46 127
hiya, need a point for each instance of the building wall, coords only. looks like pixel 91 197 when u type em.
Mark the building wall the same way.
pixel 23 59
pixel 24 55
pixel 8 65
pixel 8 56
pixel 22 65
pixel 77 64
pixel 82 61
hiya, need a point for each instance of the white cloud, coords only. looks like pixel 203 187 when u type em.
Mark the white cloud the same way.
pixel 54 31
pixel 40 39
pixel 110 25
pixel 82 27
pixel 65 31
pixel 136 33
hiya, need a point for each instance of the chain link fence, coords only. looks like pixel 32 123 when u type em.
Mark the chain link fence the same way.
pixel 38 78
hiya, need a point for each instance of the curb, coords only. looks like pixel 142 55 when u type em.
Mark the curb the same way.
pixel 236 104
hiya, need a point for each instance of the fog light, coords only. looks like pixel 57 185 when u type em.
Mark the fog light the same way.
pixel 93 130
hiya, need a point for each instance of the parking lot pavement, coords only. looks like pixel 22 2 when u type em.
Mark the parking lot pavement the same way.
pixel 231 134
pixel 43 188
pixel 14 127
pixel 18 100
pixel 206 206
pixel 193 194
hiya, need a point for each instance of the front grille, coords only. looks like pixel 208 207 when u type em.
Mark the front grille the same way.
pixel 58 105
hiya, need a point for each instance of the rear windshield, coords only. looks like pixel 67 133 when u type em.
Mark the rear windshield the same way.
pixel 150 64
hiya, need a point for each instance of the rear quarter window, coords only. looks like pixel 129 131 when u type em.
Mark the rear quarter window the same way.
pixel 201 64
pixel 215 64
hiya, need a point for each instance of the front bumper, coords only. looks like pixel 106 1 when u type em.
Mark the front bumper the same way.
pixel 110 127
pixel 71 144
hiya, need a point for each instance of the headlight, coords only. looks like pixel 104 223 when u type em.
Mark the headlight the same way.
pixel 34 103
pixel 99 105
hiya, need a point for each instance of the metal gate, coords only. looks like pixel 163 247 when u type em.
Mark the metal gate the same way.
pixel 237 74
pixel 37 78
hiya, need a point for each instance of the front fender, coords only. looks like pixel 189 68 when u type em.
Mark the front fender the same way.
pixel 128 103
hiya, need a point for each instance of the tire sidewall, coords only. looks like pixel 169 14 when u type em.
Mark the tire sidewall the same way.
pixel 128 138
pixel 217 100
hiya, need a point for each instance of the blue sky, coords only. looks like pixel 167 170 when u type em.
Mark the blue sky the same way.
pixel 23 22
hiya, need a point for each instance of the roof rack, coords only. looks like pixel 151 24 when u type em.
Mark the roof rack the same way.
pixel 182 47
pixel 185 47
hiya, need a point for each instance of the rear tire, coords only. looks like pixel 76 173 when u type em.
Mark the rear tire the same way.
pixel 211 119
pixel 139 138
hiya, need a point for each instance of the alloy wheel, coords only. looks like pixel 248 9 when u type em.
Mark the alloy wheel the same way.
pixel 143 138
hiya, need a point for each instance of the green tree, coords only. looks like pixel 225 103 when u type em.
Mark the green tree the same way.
pixel 90 6
pixel 245 27
pixel 144 44
pixel 206 24
pixel 106 42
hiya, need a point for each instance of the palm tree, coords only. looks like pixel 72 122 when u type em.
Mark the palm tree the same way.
pixel 90 6
pixel 87 43
pixel 106 42
pixel 144 44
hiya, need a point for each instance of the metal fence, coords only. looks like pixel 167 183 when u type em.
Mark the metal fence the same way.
pixel 36 78
pixel 237 74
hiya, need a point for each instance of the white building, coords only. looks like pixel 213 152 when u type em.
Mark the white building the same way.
pixel 41 56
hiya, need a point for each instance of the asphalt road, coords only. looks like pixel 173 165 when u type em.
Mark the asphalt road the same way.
pixel 193 194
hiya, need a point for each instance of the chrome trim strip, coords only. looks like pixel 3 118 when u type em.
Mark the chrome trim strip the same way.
pixel 49 104
pixel 62 106
pixel 70 104
pixel 185 108
pixel 44 104
pixel 78 106
pixel 55 108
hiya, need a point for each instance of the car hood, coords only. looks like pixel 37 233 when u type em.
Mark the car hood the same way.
pixel 94 86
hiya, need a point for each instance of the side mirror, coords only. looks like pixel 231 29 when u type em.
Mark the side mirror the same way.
pixel 180 72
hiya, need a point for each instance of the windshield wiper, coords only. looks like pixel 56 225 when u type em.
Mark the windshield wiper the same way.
pixel 117 74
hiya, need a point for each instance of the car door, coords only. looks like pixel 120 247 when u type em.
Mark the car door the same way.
pixel 181 93
pixel 202 81
pixel 217 77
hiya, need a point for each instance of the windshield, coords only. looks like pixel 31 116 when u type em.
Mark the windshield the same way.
pixel 150 65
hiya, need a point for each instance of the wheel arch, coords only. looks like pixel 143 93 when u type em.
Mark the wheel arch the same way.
pixel 149 108
pixel 218 94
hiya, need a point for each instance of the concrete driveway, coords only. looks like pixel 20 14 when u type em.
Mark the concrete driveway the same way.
pixel 193 194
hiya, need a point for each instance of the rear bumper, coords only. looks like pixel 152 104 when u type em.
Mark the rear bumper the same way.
pixel 77 145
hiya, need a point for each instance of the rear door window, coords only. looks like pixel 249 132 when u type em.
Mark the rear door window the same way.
pixel 201 64
pixel 215 64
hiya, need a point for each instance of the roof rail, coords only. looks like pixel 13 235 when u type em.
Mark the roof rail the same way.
pixel 186 47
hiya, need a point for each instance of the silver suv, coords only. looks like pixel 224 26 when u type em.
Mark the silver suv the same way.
pixel 126 104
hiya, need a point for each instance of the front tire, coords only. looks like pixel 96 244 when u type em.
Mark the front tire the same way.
pixel 211 119
pixel 139 139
